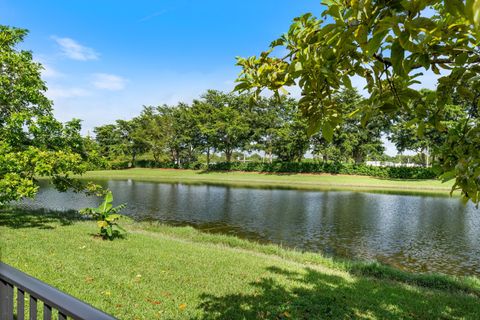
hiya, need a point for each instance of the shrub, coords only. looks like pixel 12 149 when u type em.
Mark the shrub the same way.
pixel 327 167
pixel 118 164
pixel 107 217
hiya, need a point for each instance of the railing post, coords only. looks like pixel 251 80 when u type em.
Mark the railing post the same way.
pixel 6 301
pixel 3 300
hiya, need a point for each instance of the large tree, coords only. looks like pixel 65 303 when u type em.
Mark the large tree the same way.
pixel 204 117
pixel 289 139
pixel 231 119
pixel 132 141
pixel 108 139
pixel 388 44
pixel 32 142
pixel 155 130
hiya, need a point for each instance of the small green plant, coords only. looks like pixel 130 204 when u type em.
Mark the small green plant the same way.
pixel 107 216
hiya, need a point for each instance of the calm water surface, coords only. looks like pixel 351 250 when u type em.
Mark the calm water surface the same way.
pixel 416 233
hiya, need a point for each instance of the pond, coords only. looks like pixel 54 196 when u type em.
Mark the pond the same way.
pixel 412 232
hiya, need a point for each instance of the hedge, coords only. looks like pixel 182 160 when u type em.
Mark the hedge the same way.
pixel 331 167
pixel 293 167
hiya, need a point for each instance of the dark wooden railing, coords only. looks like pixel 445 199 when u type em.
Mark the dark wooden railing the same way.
pixel 37 291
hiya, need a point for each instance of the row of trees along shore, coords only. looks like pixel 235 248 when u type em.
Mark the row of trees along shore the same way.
pixel 222 127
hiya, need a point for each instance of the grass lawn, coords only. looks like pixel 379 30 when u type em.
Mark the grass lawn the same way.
pixel 161 272
pixel 299 181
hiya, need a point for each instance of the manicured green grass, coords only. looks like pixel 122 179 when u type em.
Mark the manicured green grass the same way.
pixel 165 272
pixel 300 181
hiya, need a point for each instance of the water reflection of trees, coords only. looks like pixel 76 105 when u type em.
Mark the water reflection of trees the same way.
pixel 410 231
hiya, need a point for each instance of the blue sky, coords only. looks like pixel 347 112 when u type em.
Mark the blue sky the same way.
pixel 105 59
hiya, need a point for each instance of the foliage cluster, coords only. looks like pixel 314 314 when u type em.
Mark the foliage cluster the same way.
pixel 107 216
pixel 390 45
pixel 32 142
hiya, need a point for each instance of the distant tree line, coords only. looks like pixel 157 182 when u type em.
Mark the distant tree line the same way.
pixel 223 126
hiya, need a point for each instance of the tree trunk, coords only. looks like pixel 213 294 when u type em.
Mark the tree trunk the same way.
pixel 134 156
pixel 228 155
pixel 358 157
pixel 177 157
pixel 427 157
pixel 190 154
pixel 208 157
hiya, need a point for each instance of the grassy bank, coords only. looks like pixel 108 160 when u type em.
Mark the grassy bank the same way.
pixel 161 272
pixel 298 181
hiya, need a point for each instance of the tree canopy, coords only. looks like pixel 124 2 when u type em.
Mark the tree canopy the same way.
pixel 33 143
pixel 226 124
pixel 388 44
pixel 351 139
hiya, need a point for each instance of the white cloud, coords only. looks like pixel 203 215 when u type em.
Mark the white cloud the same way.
pixel 100 107
pixel 109 81
pixel 61 92
pixel 73 50
pixel 50 72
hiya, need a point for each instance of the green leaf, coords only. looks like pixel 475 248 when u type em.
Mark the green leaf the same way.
pixel 455 7
pixel 278 42
pixel 388 107
pixel 375 42
pixel 328 2
pixel 113 217
pixel 361 34
pixel 242 86
pixel 424 60
pixel 472 12
pixel 397 56
pixel 104 207
pixel 421 129
pixel 347 82
pixel 449 175
pixel 461 59
pixel 298 66
pixel 120 227
pixel 422 24
pixel 109 196
pixel 110 232
pixel 327 131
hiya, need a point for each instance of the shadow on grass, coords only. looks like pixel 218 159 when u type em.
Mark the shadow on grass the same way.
pixel 467 285
pixel 17 218
pixel 283 294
